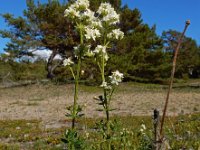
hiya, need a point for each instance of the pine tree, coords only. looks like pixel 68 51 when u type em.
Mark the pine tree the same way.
pixel 188 57
pixel 43 26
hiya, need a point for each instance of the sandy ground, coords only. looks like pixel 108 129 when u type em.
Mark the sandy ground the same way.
pixel 48 102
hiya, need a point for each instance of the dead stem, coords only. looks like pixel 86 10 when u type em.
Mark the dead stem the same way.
pixel 172 77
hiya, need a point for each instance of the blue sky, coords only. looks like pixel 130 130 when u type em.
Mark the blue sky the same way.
pixel 166 14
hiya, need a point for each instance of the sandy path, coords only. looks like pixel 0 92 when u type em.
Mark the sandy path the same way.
pixel 48 102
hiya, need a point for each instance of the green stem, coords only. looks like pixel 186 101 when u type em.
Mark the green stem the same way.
pixel 76 92
pixel 77 83
pixel 103 68
pixel 99 67
pixel 106 101
pixel 104 90
pixel 106 106
pixel 72 147
pixel 111 93
pixel 72 72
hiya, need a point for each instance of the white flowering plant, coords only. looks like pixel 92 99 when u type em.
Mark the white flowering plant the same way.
pixel 97 31
pixel 145 136
pixel 79 14
pixel 107 25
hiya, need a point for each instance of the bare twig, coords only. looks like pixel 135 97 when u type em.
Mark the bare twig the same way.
pixel 172 77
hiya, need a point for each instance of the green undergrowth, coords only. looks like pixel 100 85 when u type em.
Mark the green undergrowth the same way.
pixel 19 130
pixel 181 132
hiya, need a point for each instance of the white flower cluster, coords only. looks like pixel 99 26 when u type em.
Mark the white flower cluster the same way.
pixel 80 13
pixel 99 50
pixel 91 33
pixel 68 62
pixel 88 14
pixel 82 3
pixel 71 12
pixel 88 52
pixel 116 34
pixel 108 13
pixel 116 77
pixel 142 129
pixel 94 25
pixel 104 84
pixel 79 10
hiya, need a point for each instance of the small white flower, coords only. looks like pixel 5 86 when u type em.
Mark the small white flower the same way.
pixel 104 8
pixel 92 33
pixel 18 128
pixel 87 134
pixel 112 18
pixel 82 3
pixel 89 53
pixel 66 132
pixel 68 62
pixel 78 10
pixel 99 49
pixel 71 12
pixel 118 74
pixel 82 72
pixel 108 13
pixel 88 14
pixel 143 126
pixel 106 57
pixel 116 77
pixel 96 23
pixel 104 84
pixel 141 130
pixel 116 33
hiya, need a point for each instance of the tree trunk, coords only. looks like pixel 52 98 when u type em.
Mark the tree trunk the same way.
pixel 50 69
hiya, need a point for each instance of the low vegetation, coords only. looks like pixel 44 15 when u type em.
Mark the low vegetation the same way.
pixel 182 132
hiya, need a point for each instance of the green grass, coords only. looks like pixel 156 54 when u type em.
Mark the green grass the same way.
pixel 181 131
pixel 9 146
pixel 19 130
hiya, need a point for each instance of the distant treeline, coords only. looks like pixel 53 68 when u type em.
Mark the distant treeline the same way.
pixel 141 55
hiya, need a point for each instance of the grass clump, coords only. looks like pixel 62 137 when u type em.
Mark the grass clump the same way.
pixel 19 130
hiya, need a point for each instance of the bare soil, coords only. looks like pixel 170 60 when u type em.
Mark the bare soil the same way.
pixel 48 102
